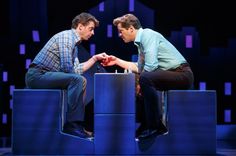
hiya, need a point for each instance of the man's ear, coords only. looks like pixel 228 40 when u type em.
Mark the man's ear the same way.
pixel 80 26
pixel 131 28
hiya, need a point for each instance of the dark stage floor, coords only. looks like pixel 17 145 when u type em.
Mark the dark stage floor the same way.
pixel 224 148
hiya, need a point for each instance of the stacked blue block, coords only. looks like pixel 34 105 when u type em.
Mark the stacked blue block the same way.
pixel 226 132
pixel 114 113
pixel 38 119
pixel 191 121
pixel 37 124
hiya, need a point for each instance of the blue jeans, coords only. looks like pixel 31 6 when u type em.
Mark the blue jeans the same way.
pixel 75 85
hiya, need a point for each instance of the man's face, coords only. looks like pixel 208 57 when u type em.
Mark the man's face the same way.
pixel 86 31
pixel 125 34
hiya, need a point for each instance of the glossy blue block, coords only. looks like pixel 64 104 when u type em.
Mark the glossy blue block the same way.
pixel 114 134
pixel 114 110
pixel 226 132
pixel 191 122
pixel 114 93
pixel 37 124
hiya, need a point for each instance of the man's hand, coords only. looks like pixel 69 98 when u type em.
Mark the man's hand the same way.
pixel 100 57
pixel 109 61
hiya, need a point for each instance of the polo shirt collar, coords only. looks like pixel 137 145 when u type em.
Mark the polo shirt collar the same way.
pixel 138 36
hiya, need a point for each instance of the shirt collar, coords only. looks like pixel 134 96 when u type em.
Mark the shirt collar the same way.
pixel 138 36
pixel 76 35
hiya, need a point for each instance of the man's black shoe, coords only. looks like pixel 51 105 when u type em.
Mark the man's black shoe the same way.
pixel 139 131
pixel 149 133
pixel 77 131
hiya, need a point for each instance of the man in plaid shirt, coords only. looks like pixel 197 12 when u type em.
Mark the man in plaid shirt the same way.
pixel 57 66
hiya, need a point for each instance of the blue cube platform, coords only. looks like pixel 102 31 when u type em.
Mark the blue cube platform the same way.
pixel 114 113
pixel 37 124
pixel 114 93
pixel 191 122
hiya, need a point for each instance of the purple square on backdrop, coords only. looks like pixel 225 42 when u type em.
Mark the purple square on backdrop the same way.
pixel 131 5
pixel 22 49
pixel 11 104
pixel 109 30
pixel 227 115
pixel 35 35
pixel 92 49
pixel 101 7
pixel 4 118
pixel 202 85
pixel 227 88
pixel 12 88
pixel 27 63
pixel 189 41
pixel 4 76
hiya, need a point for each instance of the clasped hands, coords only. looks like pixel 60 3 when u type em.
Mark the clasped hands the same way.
pixel 110 60
pixel 106 60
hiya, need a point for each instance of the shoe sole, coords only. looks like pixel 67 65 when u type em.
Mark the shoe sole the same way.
pixel 91 139
pixel 152 135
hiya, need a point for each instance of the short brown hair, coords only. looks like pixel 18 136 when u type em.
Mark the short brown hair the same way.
pixel 127 20
pixel 84 18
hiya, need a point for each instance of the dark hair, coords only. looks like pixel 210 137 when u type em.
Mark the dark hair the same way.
pixel 84 18
pixel 127 20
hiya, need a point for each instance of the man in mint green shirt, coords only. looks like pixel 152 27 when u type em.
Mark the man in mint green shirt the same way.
pixel 160 66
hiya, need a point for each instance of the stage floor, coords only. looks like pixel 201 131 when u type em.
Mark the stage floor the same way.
pixel 224 148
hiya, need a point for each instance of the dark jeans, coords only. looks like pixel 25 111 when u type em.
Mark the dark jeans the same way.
pixel 150 82
pixel 75 85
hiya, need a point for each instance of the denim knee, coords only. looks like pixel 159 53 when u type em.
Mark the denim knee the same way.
pixel 78 79
pixel 84 83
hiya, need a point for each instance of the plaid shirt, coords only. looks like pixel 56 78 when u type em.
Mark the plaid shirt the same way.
pixel 60 53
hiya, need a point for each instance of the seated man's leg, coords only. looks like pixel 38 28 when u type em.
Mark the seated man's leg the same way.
pixel 160 80
pixel 75 85
pixel 152 108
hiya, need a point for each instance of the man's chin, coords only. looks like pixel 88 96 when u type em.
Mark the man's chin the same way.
pixel 126 41
pixel 86 39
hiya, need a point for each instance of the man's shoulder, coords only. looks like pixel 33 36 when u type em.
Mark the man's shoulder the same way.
pixel 148 30
pixel 64 32
pixel 147 33
pixel 150 33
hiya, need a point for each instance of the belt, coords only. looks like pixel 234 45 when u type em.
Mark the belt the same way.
pixel 33 65
pixel 182 67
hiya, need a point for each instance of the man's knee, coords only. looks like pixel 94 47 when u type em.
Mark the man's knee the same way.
pixel 79 79
pixel 143 79
pixel 84 82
